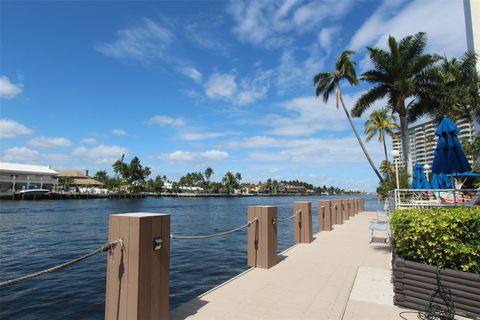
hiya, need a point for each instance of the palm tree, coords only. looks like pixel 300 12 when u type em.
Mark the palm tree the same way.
pixel 398 75
pixel 134 174
pixel 382 123
pixel 388 169
pixel 327 82
pixel 231 181
pixel 208 173
pixel 455 91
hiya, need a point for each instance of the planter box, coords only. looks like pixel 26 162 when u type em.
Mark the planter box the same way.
pixel 414 283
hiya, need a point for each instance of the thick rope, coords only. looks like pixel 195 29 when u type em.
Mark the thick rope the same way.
pixel 104 248
pixel 173 237
pixel 288 218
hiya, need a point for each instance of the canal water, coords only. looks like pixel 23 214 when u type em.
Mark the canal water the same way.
pixel 35 235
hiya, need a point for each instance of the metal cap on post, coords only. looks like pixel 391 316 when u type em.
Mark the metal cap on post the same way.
pixel 138 271
pixel 302 222
pixel 262 237
pixel 324 215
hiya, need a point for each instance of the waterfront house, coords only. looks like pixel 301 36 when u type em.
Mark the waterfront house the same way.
pixel 78 181
pixel 16 177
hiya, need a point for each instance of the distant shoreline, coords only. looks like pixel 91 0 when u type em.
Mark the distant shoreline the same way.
pixel 77 196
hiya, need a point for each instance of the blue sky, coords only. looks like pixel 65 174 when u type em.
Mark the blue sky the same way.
pixel 188 84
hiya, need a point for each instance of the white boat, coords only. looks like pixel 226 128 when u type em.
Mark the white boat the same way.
pixel 34 191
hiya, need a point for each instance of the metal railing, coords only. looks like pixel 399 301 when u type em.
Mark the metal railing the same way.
pixel 432 198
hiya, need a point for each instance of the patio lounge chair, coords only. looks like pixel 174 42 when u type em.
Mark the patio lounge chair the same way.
pixel 381 224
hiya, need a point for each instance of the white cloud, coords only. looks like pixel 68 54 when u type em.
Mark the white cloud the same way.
pixel 326 35
pixel 192 73
pixel 120 132
pixel 253 142
pixel 204 35
pixel 9 90
pixel 100 154
pixel 46 142
pixel 11 129
pixel 162 120
pixel 89 141
pixel 307 115
pixel 214 155
pixel 143 42
pixel 19 154
pixel 194 158
pixel 317 152
pixel 443 22
pixel 275 25
pixel 221 86
pixel 201 136
pixel 294 73
pixel 253 89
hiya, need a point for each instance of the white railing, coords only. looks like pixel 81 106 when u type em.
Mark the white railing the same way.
pixel 24 179
pixel 432 198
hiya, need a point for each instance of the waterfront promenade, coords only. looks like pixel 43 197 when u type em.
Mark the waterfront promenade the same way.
pixel 337 276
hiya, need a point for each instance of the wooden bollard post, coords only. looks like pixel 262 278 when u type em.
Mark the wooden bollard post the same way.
pixel 302 223
pixel 336 206
pixel 324 216
pixel 345 210
pixel 354 206
pixel 138 273
pixel 262 237
pixel 350 207
pixel 362 204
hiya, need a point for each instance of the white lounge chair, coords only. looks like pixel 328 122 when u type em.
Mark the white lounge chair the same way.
pixel 381 224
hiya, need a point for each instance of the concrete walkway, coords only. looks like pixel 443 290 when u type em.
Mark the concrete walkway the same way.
pixel 337 276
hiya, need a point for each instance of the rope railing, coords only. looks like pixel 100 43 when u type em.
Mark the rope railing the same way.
pixel 288 218
pixel 106 247
pixel 214 235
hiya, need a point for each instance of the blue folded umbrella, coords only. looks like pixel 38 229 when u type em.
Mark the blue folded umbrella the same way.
pixel 449 156
pixel 419 180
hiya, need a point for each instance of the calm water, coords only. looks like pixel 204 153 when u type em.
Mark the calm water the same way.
pixel 39 234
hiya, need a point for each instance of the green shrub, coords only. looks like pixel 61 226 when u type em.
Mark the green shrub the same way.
pixel 446 238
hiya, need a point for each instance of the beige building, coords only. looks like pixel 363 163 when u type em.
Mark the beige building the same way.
pixel 77 179
pixel 423 141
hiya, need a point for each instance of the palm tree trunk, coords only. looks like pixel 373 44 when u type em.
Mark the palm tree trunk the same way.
pixel 406 144
pixel 358 136
pixel 385 149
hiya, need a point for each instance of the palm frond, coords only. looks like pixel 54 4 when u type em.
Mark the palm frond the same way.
pixel 346 67
pixel 413 46
pixel 374 76
pixel 379 58
pixel 366 100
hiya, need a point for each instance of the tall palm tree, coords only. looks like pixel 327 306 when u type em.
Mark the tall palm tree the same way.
pixel 399 74
pixel 382 123
pixel 208 173
pixel 327 82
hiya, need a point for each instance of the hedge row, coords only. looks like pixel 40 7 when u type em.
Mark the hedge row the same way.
pixel 446 238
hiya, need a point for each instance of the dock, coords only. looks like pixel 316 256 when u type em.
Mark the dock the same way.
pixel 337 276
